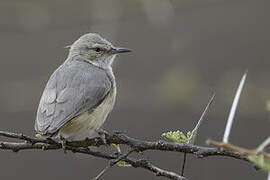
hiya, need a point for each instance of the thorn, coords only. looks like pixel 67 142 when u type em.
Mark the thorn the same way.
pixel 263 145
pixel 233 109
pixel 196 128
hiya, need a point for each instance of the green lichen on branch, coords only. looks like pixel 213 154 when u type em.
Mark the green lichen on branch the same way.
pixel 176 136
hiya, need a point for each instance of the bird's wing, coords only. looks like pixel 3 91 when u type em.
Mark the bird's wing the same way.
pixel 74 88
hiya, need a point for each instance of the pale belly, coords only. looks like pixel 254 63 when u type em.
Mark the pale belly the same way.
pixel 87 124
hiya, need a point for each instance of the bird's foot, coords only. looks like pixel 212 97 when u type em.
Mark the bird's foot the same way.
pixel 63 142
pixel 102 134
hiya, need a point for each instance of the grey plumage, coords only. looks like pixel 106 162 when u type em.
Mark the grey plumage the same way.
pixel 81 92
pixel 74 88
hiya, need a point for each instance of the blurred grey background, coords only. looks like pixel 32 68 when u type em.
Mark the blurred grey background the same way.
pixel 183 50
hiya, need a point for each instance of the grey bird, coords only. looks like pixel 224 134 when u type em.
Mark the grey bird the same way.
pixel 81 92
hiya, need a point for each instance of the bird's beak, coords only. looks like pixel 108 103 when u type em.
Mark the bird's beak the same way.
pixel 117 50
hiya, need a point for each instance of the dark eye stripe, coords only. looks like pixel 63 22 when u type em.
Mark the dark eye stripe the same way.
pixel 97 49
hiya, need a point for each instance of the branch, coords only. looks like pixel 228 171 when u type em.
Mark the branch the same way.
pixel 118 138
pixel 159 172
pixel 199 151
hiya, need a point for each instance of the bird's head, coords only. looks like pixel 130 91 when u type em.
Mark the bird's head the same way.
pixel 95 49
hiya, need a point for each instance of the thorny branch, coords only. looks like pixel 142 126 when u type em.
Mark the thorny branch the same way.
pixel 112 163
pixel 118 138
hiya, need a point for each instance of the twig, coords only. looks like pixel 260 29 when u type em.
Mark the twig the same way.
pixel 158 171
pixel 184 163
pixel 243 151
pixel 195 131
pixel 21 137
pixel 112 163
pixel 135 163
pixel 102 172
pixel 233 109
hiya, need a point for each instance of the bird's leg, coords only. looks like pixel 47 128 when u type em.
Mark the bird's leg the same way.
pixel 63 142
pixel 102 134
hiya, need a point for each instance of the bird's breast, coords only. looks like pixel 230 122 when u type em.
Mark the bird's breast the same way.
pixel 88 123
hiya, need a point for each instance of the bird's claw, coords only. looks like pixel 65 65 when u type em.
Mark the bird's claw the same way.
pixel 102 134
pixel 63 144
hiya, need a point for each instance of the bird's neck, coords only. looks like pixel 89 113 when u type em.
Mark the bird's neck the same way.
pixel 105 63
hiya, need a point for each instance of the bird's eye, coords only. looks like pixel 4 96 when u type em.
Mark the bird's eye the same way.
pixel 97 49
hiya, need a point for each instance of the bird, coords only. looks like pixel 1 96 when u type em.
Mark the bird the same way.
pixel 80 93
